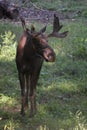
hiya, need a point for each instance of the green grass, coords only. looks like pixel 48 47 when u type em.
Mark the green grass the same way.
pixel 73 8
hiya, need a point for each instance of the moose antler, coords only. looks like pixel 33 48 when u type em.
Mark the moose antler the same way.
pixel 55 33
pixel 56 29
pixel 23 23
pixel 32 32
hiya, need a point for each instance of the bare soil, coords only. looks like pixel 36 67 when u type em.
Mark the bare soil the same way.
pixel 32 14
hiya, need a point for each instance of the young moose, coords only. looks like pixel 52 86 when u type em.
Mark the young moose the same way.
pixel 32 50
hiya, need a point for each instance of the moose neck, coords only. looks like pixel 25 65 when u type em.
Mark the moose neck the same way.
pixel 31 51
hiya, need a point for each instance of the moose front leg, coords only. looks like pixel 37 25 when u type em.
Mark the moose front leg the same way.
pixel 23 94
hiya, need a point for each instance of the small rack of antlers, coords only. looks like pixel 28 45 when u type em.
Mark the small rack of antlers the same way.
pixel 56 28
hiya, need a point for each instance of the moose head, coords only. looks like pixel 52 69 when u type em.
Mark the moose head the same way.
pixel 40 40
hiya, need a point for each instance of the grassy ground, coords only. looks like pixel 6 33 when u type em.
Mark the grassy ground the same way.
pixel 62 86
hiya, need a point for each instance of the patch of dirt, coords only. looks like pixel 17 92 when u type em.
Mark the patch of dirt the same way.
pixel 33 14
pixel 11 109
pixel 43 15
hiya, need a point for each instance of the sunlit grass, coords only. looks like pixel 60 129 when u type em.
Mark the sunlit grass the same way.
pixel 10 125
pixel 6 100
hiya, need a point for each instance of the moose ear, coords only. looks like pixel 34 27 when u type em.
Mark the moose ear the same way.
pixel 43 29
pixel 40 32
pixel 32 28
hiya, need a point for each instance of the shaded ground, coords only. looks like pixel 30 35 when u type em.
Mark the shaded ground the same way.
pixel 39 14
pixel 43 15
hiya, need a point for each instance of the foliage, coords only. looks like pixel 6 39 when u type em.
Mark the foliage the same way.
pixel 7 39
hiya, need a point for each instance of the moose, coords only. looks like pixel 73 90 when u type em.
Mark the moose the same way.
pixel 32 50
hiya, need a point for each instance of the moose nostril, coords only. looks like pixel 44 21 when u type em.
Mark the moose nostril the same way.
pixel 51 58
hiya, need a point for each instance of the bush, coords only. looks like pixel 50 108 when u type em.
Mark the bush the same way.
pixel 7 39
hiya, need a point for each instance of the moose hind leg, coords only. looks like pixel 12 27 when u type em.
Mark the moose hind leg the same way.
pixel 32 103
pixel 33 82
pixel 27 89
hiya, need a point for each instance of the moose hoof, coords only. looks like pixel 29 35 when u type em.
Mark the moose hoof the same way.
pixel 22 113
pixel 31 115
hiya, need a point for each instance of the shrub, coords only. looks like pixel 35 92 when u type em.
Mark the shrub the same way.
pixel 7 39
